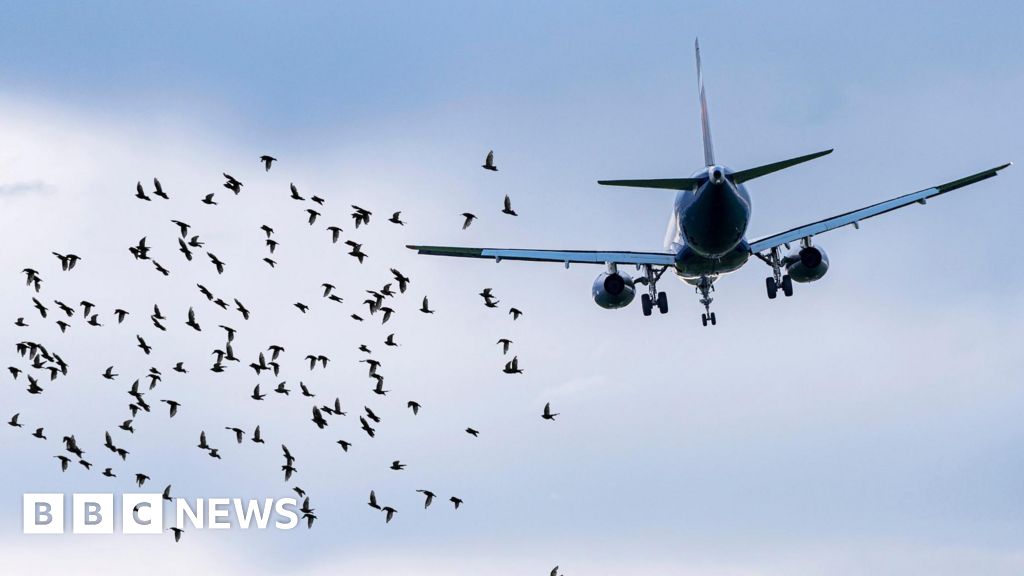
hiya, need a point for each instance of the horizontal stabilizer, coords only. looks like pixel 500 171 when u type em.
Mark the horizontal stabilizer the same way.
pixel 751 173
pixel 664 183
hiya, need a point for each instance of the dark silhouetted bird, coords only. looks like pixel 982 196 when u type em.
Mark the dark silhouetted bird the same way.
pixel 267 161
pixel 361 215
pixel 512 366
pixel 547 415
pixel 67 261
pixel 357 251
pixel 469 217
pixel 159 189
pixel 403 281
pixel 396 218
pixel 430 498
pixel 232 183
pixel 508 207
pixel 489 162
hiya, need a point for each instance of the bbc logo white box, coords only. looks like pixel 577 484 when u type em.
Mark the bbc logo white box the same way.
pixel 142 513
pixel 42 513
pixel 92 513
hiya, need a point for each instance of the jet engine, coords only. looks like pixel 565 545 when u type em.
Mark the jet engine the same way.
pixel 613 290
pixel 807 264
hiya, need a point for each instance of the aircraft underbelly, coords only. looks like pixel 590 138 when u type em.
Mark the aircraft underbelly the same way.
pixel 691 266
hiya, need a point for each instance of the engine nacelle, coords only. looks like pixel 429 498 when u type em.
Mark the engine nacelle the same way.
pixel 807 264
pixel 613 290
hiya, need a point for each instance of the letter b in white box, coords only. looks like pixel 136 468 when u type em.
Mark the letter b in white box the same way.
pixel 142 514
pixel 42 513
pixel 92 513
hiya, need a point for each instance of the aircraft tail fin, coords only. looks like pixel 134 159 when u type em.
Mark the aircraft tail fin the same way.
pixel 705 125
pixel 751 173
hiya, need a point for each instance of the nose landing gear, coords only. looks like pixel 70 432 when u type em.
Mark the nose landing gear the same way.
pixel 706 286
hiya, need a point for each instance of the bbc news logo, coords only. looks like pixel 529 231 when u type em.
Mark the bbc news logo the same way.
pixel 144 513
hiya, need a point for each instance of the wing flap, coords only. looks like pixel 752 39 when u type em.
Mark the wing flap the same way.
pixel 563 256
pixel 855 216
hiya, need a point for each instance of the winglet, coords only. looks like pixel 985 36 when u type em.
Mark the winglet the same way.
pixel 705 125
pixel 948 186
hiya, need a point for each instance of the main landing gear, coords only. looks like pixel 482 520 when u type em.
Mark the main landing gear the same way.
pixel 653 297
pixel 777 280
pixel 706 286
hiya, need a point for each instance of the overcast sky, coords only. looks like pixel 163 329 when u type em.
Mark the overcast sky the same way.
pixel 869 424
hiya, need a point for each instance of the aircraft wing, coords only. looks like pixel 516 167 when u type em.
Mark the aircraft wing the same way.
pixel 855 216
pixel 564 256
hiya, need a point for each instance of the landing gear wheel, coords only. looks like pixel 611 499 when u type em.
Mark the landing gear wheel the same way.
pixel 645 303
pixel 787 285
pixel 772 287
pixel 704 319
pixel 662 303
pixel 712 318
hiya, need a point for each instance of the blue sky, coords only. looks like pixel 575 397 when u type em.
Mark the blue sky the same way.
pixel 870 423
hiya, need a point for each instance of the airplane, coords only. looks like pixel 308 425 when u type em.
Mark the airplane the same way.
pixel 707 233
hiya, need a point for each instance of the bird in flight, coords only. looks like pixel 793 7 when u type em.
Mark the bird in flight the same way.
pixel 425 308
pixel 232 183
pixel 430 498
pixel 489 162
pixel 159 189
pixel 512 366
pixel 396 218
pixel 547 415
pixel 67 261
pixel 140 193
pixel 508 207
pixel 361 215
pixel 468 219
pixel 267 161
pixel 505 343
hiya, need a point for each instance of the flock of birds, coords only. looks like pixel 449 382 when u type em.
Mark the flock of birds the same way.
pixel 41 363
